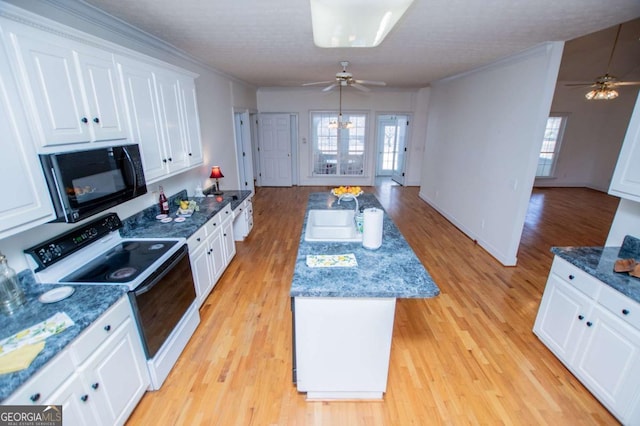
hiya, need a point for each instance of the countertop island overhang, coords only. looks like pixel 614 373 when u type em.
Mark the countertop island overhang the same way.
pixel 343 317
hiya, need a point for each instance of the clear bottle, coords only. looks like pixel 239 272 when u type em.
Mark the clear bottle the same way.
pixel 164 204
pixel 11 295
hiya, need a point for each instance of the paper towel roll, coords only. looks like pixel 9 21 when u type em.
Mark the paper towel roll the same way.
pixel 372 232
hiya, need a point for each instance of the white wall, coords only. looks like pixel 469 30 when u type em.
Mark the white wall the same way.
pixel 625 222
pixel 592 138
pixel 217 95
pixel 484 134
pixel 302 101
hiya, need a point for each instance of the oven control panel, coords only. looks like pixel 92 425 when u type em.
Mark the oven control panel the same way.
pixel 49 252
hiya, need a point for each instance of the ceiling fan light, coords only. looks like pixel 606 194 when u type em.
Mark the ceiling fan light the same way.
pixel 354 23
pixel 602 94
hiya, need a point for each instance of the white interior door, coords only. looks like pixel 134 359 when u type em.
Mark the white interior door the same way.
pixel 275 149
pixel 243 150
pixel 391 134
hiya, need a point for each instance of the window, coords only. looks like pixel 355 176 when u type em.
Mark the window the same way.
pixel 550 145
pixel 338 151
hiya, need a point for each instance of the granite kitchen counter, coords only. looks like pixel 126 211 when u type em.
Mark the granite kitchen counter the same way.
pixel 84 306
pixel 599 261
pixel 145 224
pixel 391 271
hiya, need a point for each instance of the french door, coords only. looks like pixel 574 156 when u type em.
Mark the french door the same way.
pixel 392 134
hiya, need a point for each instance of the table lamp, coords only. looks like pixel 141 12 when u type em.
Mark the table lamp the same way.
pixel 216 174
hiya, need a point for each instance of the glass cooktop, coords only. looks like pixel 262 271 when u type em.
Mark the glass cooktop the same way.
pixel 122 263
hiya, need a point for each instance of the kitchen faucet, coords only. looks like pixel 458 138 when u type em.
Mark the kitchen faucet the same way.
pixel 350 196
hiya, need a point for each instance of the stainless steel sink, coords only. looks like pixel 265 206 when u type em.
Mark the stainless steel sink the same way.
pixel 331 225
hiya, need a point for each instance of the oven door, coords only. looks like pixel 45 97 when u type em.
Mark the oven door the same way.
pixel 162 299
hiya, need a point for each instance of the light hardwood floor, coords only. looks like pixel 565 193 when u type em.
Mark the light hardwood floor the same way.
pixel 467 356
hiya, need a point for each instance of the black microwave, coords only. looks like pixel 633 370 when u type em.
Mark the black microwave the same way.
pixel 83 183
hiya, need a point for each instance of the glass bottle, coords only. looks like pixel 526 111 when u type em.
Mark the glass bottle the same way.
pixel 11 295
pixel 164 204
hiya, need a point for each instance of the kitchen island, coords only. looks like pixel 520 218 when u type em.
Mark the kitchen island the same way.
pixel 343 316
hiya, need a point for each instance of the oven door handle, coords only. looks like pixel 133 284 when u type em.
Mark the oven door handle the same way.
pixel 156 279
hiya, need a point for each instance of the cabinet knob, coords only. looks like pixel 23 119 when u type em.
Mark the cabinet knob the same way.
pixel 96 120
pixel 225 235
pixel 84 398
pixel 227 212
pixel 107 327
pixel 84 120
pixel 571 277
pixel 214 224
pixel 164 160
pixel 190 154
pixel 96 385
pixel 589 323
pixel 35 397
pixel 580 317
pixel 625 312
pixel 170 159
pixel 198 239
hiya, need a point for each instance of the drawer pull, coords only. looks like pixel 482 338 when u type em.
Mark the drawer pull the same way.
pixel 580 317
pixel 35 397
pixel 84 398
pixel 96 120
pixel 85 120
pixel 589 323
pixel 107 327
pixel 625 312
pixel 198 239
pixel 95 386
pixel 571 277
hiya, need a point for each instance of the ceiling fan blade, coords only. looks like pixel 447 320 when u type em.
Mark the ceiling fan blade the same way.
pixel 326 89
pixel 627 83
pixel 580 84
pixel 317 83
pixel 360 87
pixel 372 83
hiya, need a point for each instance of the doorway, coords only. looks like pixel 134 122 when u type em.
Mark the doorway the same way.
pixel 391 131
pixel 244 151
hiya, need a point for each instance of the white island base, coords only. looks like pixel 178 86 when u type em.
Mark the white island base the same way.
pixel 342 346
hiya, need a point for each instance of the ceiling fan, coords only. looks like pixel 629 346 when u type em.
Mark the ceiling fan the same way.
pixel 345 78
pixel 603 88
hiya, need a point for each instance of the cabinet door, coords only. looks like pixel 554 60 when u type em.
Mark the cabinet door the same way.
pixel 78 406
pixel 191 120
pixel 25 197
pixel 202 274
pixel 144 118
pixel 103 94
pixel 626 177
pixel 608 362
pixel 217 257
pixel 168 93
pixel 562 314
pixel 53 84
pixel 116 375
pixel 229 242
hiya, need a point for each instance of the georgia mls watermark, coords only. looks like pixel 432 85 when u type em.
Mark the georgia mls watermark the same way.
pixel 30 415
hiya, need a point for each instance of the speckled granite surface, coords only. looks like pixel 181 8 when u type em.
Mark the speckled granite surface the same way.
pixel 84 306
pixel 393 270
pixel 145 224
pixel 598 262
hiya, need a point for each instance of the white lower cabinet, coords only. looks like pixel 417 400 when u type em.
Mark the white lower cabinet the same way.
pixel 592 329
pixel 211 249
pixel 99 379
pixel 243 220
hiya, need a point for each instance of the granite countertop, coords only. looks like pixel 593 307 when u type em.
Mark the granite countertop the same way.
pixel 84 306
pixel 392 271
pixel 599 261
pixel 145 224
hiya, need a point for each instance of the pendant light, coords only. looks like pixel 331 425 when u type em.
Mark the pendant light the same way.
pixel 340 124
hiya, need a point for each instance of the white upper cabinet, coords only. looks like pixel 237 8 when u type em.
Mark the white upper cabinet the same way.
pixel 24 193
pixel 625 182
pixel 72 89
pixel 191 120
pixel 163 117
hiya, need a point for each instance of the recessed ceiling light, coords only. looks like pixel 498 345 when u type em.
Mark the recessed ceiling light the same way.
pixel 354 23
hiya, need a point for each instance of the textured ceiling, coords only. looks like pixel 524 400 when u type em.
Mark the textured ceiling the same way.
pixel 270 42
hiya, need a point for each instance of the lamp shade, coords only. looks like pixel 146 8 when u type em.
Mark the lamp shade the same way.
pixel 216 173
